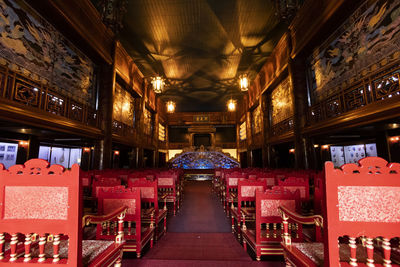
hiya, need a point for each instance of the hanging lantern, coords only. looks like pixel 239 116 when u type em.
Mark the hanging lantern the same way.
pixel 231 105
pixel 170 106
pixel 158 84
pixel 244 82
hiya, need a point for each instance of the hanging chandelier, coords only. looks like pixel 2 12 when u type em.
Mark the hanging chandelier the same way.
pixel 231 105
pixel 244 82
pixel 158 84
pixel 170 106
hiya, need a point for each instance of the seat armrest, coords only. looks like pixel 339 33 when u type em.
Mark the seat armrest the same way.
pixel 288 214
pixel 296 217
pixel 97 219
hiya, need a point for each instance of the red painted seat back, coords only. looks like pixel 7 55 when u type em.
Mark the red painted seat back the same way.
pixel 318 193
pixel 36 198
pixel 86 178
pixel 110 199
pixel 293 183
pixel 247 191
pixel 148 191
pixel 363 200
pixel 267 204
pixel 166 182
pixel 268 177
pixel 232 180
pixel 104 183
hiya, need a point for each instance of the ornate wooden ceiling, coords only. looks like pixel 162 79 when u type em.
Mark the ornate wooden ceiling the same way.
pixel 200 46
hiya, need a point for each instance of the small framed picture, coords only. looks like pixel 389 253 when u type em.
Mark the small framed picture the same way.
pixel 1 156
pixel 10 148
pixel 2 148
pixel 10 157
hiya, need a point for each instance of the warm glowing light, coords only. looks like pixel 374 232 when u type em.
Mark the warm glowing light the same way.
pixel 325 146
pixel 316 146
pixel 395 139
pixel 170 106
pixel 231 105
pixel 158 84
pixel 86 149
pixel 291 150
pixel 126 107
pixel 23 143
pixel 244 82
pixel 116 152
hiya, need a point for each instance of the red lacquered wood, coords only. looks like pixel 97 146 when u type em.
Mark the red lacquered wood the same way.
pixel 56 248
pixel 52 206
pixel 130 197
pixel 27 244
pixel 386 252
pixel 267 212
pixel 371 173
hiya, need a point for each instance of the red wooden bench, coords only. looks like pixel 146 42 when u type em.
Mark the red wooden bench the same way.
pixel 245 203
pixel 266 237
pixel 44 203
pixel 362 203
pixel 231 187
pixel 149 198
pixel 135 234
pixel 167 190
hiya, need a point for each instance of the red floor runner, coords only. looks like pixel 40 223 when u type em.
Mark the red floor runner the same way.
pixel 201 211
pixel 198 246
pixel 199 235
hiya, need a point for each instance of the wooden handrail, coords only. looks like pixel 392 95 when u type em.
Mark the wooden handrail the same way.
pixel 97 219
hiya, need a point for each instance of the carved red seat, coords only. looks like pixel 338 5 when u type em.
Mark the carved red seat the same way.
pixel 318 193
pixel 135 233
pixel 362 203
pixel 268 177
pixel 294 183
pixel 245 203
pixel 44 203
pixel 167 189
pixel 103 183
pixel 231 189
pixel 149 197
pixel 266 237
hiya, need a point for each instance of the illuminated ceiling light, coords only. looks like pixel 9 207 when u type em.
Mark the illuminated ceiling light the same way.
pixel 291 150
pixel 325 146
pixel 158 84
pixel 170 106
pixel 231 105
pixel 244 82
pixel 116 152
pixel 316 146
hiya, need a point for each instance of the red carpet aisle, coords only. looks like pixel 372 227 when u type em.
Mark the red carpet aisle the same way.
pixel 201 212
pixel 199 235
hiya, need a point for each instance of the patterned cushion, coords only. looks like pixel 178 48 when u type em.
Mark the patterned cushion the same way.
pixel 93 248
pixel 315 252
pixel 90 249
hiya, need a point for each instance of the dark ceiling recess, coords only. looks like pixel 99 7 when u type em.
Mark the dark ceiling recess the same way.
pixel 201 46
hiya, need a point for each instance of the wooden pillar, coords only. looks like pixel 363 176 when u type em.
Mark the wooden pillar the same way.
pixel 107 86
pixel 249 140
pixel 266 153
pixel 33 149
pixel 296 68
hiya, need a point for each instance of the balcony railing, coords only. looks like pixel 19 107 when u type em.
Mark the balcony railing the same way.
pixel 282 127
pixel 372 89
pixel 17 88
